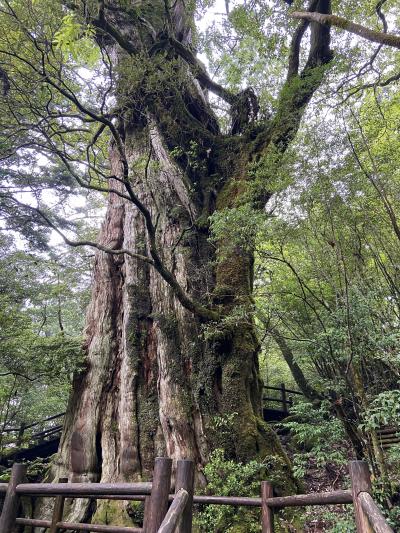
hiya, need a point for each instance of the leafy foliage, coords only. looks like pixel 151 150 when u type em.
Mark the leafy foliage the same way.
pixel 42 306
pixel 229 478
pixel 318 436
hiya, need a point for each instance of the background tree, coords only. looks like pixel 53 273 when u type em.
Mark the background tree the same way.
pixel 43 297
pixel 329 273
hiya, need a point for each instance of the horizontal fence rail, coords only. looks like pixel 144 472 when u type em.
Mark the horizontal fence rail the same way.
pixel 284 400
pixel 34 424
pixel 290 391
pixel 77 526
pixel 158 518
pixel 77 489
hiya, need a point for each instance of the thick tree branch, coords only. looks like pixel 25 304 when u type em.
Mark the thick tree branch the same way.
pixel 299 87
pixel 109 29
pixel 200 73
pixel 294 55
pixel 387 39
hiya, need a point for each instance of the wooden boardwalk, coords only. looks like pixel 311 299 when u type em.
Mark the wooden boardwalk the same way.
pixel 31 445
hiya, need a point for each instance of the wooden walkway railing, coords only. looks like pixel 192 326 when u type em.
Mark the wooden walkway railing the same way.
pixel 178 518
pixel 284 398
pixel 388 436
pixel 22 432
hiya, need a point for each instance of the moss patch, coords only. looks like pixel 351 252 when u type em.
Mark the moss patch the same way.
pixel 112 513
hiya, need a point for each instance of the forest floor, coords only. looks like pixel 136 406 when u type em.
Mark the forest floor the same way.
pixel 323 478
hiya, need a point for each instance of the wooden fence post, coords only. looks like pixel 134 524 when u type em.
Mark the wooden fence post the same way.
pixel 185 480
pixel 284 399
pixel 159 494
pixel 360 482
pixel 12 500
pixel 267 513
pixel 58 509
pixel 146 512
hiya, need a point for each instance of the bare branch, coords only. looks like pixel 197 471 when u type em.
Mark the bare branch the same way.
pixel 382 17
pixel 387 39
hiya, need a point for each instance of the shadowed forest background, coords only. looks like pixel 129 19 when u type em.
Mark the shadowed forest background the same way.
pixel 197 199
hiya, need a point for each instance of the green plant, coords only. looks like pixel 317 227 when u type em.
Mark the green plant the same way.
pixel 228 478
pixel 318 435
pixel 36 470
pixel 384 410
pixel 341 523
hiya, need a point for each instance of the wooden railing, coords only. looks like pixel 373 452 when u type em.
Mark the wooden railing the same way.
pixel 23 435
pixel 388 436
pixel 284 396
pixel 156 496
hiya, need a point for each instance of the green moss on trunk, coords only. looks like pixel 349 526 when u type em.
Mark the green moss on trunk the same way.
pixel 113 513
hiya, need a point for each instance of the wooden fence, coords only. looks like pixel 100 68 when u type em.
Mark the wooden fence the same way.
pixel 24 435
pixel 160 517
pixel 388 436
pixel 284 399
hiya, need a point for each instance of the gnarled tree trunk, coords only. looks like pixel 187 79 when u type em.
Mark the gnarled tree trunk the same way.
pixel 163 357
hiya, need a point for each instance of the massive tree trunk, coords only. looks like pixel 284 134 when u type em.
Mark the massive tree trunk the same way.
pixel 154 379
pixel 164 354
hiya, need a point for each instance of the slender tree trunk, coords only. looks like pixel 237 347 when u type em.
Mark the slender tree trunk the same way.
pixel 297 373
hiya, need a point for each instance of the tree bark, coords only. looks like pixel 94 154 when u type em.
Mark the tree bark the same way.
pixel 157 371
pixel 297 373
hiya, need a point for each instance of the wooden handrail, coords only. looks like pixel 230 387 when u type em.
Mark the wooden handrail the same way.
pixel 284 400
pixel 280 388
pixel 78 526
pixel 78 489
pixel 277 400
pixel 46 432
pixel 122 491
pixel 174 512
pixel 160 520
pixel 375 517
pixel 11 430
pixel 119 491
